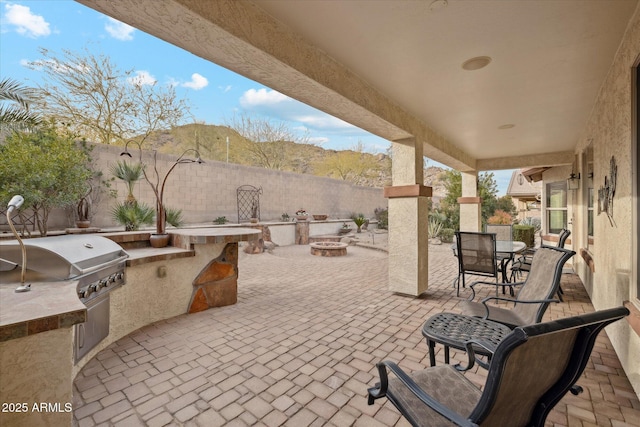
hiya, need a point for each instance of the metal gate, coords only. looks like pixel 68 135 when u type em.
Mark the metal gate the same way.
pixel 248 202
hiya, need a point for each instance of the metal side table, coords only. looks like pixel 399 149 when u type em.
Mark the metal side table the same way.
pixel 455 330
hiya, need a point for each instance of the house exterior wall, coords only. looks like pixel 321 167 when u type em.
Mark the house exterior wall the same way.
pixel 609 132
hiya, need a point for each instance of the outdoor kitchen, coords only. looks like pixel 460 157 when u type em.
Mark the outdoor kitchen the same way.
pixel 80 293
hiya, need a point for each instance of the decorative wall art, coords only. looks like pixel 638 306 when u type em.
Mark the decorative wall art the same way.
pixel 606 192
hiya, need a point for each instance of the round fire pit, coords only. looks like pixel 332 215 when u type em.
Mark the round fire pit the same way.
pixel 328 249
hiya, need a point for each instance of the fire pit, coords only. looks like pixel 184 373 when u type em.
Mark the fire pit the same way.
pixel 328 249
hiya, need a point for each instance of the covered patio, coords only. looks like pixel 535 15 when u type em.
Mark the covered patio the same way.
pixel 299 349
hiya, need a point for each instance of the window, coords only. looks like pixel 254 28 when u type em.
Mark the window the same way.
pixel 556 206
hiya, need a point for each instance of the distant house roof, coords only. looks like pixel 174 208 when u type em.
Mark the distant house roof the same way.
pixel 521 187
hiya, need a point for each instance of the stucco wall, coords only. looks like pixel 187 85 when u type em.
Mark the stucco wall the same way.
pixel 609 130
pixel 207 191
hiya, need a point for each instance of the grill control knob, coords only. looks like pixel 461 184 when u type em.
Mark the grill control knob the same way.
pixel 103 283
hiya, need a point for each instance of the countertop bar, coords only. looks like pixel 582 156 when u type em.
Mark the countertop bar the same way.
pixel 45 307
pixel 185 237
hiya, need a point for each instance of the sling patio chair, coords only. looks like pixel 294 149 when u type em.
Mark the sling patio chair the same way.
pixel 531 370
pixel 534 294
pixel 476 254
pixel 523 264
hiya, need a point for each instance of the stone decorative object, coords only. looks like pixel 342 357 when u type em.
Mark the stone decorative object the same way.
pixel 217 283
pixel 302 233
pixel 329 249
pixel 319 217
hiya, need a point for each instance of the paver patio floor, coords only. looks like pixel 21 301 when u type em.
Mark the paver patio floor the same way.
pixel 299 349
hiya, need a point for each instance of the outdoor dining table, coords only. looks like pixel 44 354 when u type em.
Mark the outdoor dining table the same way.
pixel 505 252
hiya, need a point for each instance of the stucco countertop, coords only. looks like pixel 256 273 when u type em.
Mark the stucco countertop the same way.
pixel 185 237
pixel 45 307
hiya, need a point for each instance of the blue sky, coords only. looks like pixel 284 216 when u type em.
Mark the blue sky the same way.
pixel 215 94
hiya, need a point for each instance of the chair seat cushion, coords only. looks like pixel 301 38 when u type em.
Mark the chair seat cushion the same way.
pixel 444 384
pixel 497 314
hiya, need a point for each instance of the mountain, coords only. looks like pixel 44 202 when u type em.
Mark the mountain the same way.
pixel 361 168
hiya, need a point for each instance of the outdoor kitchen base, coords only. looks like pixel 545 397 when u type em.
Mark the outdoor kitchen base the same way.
pixel 217 284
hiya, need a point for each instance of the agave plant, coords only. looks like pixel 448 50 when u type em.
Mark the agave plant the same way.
pixel 132 216
pixel 435 227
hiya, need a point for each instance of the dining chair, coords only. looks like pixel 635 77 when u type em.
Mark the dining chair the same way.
pixel 502 231
pixel 476 254
pixel 523 264
pixel 534 294
pixel 532 368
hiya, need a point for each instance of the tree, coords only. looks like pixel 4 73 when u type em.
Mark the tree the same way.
pixel 16 115
pixel 268 144
pixel 95 99
pixel 487 190
pixel 352 165
pixel 49 170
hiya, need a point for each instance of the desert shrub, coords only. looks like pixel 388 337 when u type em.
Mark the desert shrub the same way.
pixel 500 217
pixel 382 216
pixel 220 220
pixel 525 233
pixel 446 235
pixel 435 227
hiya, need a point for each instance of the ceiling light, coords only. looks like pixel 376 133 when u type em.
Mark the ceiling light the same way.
pixel 476 63
pixel 507 126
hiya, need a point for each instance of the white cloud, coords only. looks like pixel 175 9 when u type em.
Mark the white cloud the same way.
pixel 142 78
pixel 26 23
pixel 225 89
pixel 119 30
pixel 197 82
pixel 274 104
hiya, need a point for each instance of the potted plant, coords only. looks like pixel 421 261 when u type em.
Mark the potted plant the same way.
pixel 359 220
pixel 345 228
pixel 160 238
pixel 301 215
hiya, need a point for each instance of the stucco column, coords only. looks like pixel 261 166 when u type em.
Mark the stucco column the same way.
pixel 470 209
pixel 408 220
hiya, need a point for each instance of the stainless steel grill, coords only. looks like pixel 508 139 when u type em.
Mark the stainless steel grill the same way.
pixel 97 263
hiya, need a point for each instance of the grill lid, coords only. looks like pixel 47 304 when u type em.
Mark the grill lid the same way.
pixel 64 257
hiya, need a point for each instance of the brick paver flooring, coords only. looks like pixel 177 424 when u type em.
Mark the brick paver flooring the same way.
pixel 299 349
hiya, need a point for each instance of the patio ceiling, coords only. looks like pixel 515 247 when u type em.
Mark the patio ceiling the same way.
pixel 394 68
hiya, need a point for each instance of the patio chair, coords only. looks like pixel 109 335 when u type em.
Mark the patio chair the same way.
pixel 531 370
pixel 523 264
pixel 534 294
pixel 476 254
pixel 502 231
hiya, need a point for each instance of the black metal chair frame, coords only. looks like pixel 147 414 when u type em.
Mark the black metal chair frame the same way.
pixel 513 318
pixel 487 269
pixel 506 377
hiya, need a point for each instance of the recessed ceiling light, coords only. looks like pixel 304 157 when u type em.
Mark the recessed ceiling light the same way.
pixel 438 5
pixel 509 126
pixel 476 63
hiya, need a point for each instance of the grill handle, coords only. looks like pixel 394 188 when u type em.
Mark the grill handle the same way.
pixel 80 335
pixel 108 263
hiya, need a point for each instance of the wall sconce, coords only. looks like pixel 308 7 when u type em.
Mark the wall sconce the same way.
pixel 573 183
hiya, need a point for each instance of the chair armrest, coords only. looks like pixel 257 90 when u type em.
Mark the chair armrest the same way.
pixel 487 345
pixel 381 390
pixel 482 282
pixel 515 301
